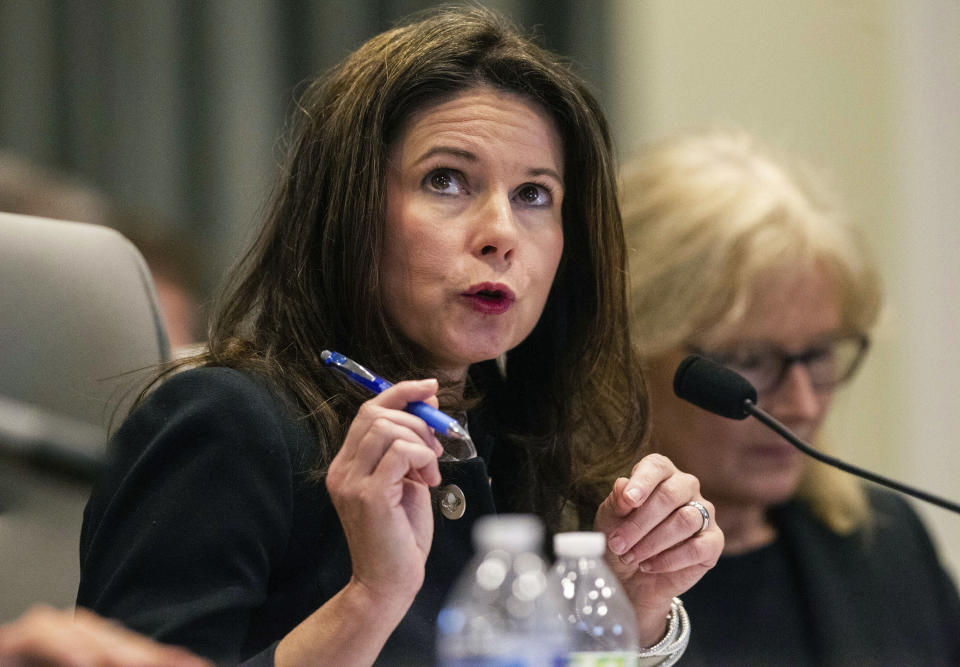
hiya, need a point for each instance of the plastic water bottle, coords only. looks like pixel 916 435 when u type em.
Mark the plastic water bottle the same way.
pixel 597 611
pixel 502 610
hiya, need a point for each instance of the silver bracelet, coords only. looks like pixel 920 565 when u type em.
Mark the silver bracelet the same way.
pixel 675 641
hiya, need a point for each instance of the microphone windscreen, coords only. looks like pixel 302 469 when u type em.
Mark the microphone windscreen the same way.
pixel 713 387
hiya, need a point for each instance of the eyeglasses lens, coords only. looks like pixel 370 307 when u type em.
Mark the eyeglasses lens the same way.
pixel 838 365
pixel 828 364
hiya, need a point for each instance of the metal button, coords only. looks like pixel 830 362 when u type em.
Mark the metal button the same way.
pixel 452 501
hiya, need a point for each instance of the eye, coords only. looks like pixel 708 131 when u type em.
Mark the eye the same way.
pixel 819 353
pixel 445 181
pixel 534 194
pixel 748 359
pixel 819 358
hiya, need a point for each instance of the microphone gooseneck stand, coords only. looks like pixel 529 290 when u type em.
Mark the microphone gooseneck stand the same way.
pixel 717 389
pixel 788 435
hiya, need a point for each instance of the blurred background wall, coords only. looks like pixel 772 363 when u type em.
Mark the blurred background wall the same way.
pixel 173 109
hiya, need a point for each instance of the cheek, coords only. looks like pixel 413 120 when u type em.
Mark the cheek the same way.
pixel 693 437
pixel 823 407
pixel 394 274
pixel 557 252
pixel 682 426
pixel 399 270
pixel 549 260
pixel 412 256
pixel 696 441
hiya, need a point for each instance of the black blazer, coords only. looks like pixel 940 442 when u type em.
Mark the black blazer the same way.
pixel 878 596
pixel 208 530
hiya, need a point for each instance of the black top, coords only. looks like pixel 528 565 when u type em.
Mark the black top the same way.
pixel 748 612
pixel 875 597
pixel 208 531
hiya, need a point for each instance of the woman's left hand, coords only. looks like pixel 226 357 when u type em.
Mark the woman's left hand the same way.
pixel 657 544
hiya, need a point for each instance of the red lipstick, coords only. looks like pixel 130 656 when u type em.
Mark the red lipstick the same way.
pixel 490 298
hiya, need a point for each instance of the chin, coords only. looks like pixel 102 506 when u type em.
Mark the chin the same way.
pixel 770 492
pixel 477 348
pixel 464 357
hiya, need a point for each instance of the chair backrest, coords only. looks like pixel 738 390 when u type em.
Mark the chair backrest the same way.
pixel 80 327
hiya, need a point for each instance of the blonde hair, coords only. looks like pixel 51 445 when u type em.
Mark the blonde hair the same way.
pixel 709 216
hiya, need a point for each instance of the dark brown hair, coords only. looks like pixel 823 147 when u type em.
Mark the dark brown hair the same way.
pixel 312 280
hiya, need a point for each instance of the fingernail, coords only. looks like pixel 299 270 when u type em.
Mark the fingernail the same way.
pixel 645 567
pixel 617 544
pixel 634 495
pixel 628 558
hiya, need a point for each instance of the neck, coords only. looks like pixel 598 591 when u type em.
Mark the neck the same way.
pixel 745 527
pixel 453 380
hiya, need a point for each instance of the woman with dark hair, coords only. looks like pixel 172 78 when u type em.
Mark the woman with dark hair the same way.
pixel 447 215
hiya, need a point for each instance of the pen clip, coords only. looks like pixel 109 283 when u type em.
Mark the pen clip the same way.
pixel 342 362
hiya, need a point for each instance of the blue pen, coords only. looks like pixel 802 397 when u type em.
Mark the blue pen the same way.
pixel 442 423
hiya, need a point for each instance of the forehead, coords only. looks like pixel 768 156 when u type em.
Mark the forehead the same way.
pixel 473 118
pixel 792 310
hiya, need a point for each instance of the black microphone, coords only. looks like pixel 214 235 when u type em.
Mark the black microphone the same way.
pixel 724 392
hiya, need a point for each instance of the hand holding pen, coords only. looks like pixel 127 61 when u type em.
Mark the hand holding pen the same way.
pixel 458 446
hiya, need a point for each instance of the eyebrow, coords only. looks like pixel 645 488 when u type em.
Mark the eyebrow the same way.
pixel 471 157
pixel 449 150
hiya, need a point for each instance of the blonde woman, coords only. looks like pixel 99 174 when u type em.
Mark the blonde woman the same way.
pixel 737 257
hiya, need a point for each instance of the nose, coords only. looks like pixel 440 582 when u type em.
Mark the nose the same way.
pixel 795 399
pixel 495 229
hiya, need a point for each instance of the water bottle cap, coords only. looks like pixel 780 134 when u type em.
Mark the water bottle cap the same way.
pixel 579 544
pixel 513 532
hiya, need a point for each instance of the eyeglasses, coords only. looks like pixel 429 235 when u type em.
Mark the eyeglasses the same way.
pixel 828 364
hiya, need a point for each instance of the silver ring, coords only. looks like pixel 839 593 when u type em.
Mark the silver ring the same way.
pixel 703 512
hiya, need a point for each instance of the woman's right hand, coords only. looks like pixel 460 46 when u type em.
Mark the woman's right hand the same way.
pixel 379 483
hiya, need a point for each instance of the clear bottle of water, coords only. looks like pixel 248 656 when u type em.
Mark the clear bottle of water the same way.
pixel 597 611
pixel 502 611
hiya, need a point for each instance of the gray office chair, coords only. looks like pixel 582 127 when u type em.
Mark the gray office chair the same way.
pixel 79 327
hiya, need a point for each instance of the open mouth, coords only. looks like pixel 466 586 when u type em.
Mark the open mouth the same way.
pixel 490 299
pixel 489 294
